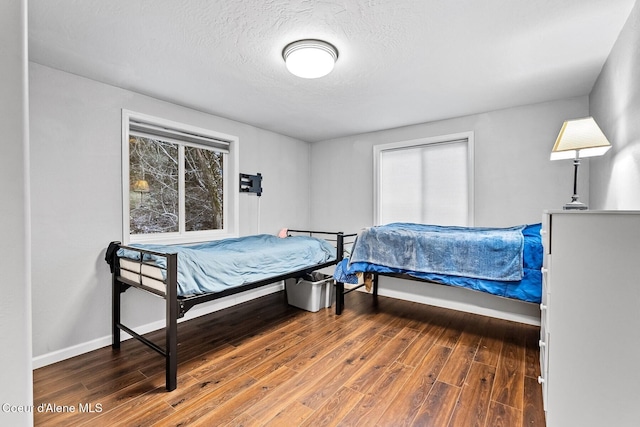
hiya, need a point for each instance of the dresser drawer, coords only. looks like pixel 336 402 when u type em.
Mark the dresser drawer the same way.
pixel 545 233
pixel 546 283
pixel 543 379
pixel 544 320
pixel 546 291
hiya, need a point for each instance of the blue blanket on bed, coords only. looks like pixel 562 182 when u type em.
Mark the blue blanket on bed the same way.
pixel 477 252
pixel 223 264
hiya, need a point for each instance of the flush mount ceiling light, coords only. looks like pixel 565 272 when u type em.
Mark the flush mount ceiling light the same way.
pixel 310 59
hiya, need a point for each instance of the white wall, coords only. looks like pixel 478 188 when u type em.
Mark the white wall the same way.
pixel 615 104
pixel 77 207
pixel 15 305
pixel 514 182
pixel 514 179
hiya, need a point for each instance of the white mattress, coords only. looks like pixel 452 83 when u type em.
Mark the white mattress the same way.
pixel 143 274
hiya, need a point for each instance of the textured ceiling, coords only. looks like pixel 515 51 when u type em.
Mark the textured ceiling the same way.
pixel 401 61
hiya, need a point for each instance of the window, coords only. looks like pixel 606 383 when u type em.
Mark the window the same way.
pixel 178 181
pixel 427 181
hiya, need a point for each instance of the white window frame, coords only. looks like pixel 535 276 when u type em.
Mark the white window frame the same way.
pixel 379 150
pixel 230 186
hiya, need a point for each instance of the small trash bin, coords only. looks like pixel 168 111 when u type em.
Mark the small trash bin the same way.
pixel 311 292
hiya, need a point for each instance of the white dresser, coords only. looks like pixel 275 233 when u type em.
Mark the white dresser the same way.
pixel 590 326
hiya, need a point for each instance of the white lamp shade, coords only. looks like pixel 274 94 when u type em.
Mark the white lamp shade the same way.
pixel 310 59
pixel 580 138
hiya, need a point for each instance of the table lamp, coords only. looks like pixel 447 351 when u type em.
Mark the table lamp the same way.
pixel 577 139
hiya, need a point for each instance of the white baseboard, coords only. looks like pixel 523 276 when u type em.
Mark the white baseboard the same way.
pixel 408 290
pixel 197 311
pixel 460 299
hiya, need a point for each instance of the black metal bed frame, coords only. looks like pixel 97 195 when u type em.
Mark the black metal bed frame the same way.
pixel 341 290
pixel 177 306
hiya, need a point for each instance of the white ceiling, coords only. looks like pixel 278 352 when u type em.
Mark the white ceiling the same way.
pixel 400 62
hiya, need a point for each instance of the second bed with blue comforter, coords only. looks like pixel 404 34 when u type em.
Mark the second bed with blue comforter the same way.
pixel 500 261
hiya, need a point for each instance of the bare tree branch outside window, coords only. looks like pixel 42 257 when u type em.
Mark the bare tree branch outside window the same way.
pixel 203 189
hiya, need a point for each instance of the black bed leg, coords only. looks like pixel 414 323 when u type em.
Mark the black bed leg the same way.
pixel 339 297
pixel 172 323
pixel 115 314
pixel 375 288
pixel 375 284
pixel 172 350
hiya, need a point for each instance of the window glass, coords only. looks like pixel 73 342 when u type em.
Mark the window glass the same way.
pixel 203 182
pixel 153 186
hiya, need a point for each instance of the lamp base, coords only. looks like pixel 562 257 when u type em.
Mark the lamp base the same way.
pixel 575 205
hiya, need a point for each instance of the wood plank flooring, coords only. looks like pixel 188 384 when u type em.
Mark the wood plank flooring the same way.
pixel 265 363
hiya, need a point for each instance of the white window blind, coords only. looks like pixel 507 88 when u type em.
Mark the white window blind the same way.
pixel 175 135
pixel 428 182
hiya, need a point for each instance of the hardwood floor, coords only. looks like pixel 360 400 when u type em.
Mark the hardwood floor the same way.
pixel 264 363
